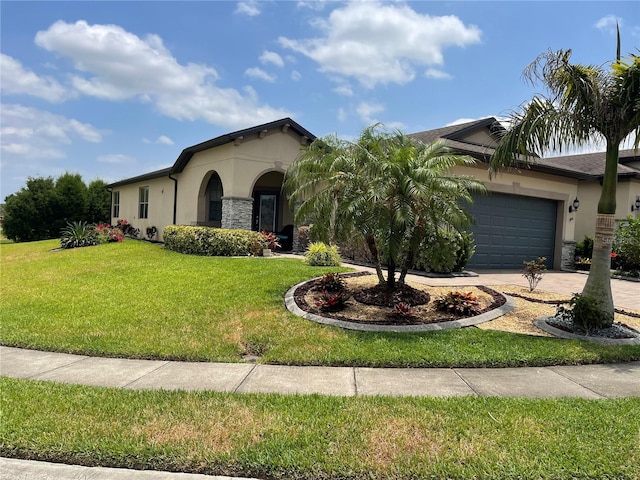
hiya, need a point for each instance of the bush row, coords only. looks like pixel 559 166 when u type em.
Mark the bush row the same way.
pixel 625 256
pixel 444 251
pixel 211 241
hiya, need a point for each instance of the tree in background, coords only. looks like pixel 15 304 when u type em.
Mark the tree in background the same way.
pixel 44 206
pixel 31 213
pixel 584 102
pixel 72 199
pixel 98 202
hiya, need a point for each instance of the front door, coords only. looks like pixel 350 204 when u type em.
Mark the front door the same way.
pixel 267 208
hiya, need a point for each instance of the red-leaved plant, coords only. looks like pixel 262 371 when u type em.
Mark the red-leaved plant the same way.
pixel 458 303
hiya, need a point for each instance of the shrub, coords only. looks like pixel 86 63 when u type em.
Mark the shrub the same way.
pixel 533 271
pixel 127 229
pixel 458 303
pixel 106 233
pixel 355 249
pixel 626 244
pixel 465 251
pixel 584 248
pixel 210 241
pixel 583 312
pixel 79 234
pixel 322 255
pixel 269 240
pixel 402 311
pixel 303 237
pixel 333 301
pixel 444 251
pixel 330 282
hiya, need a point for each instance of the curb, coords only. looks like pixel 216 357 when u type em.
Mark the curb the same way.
pixel 293 307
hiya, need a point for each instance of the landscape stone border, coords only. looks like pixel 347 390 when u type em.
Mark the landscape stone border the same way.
pixel 542 324
pixel 292 306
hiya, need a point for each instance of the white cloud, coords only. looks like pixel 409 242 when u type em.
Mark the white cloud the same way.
pixel 608 24
pixel 312 4
pixel 271 57
pixel 116 159
pixel 249 8
pixel 37 134
pixel 381 43
pixel 164 140
pixel 15 79
pixel 366 111
pixel 342 115
pixel 436 74
pixel 161 140
pixel 295 75
pixel 114 64
pixel 258 73
pixel 344 89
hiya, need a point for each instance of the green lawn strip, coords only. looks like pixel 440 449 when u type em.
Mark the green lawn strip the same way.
pixel 138 300
pixel 311 437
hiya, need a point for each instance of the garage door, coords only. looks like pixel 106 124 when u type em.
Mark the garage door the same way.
pixel 510 229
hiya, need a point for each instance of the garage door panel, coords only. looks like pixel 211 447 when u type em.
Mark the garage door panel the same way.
pixel 510 229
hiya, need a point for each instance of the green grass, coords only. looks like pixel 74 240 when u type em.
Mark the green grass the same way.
pixel 137 300
pixel 318 437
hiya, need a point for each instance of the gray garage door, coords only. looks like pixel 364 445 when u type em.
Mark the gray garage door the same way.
pixel 510 229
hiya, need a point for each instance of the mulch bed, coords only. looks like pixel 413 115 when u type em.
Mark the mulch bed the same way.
pixel 378 296
pixel 559 302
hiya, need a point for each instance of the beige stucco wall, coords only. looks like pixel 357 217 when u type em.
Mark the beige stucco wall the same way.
pixel 239 166
pixel 589 195
pixel 160 205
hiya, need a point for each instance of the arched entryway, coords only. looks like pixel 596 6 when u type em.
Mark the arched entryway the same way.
pixel 210 201
pixel 271 210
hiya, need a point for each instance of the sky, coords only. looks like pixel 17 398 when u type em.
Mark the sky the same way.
pixel 115 89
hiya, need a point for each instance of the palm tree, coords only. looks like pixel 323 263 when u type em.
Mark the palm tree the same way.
pixel 385 187
pixel 584 102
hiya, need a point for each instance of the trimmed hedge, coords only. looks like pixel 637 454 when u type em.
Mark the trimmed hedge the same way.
pixel 210 241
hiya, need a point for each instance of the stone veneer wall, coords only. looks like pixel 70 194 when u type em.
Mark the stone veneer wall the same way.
pixel 237 212
pixel 568 255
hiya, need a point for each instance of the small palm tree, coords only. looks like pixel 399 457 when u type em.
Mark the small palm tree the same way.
pixel 385 187
pixel 584 102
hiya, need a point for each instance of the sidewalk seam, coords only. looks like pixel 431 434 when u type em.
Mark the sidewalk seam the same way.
pixel 355 381
pixel 35 376
pixel 577 383
pixel 466 383
pixel 235 390
pixel 167 362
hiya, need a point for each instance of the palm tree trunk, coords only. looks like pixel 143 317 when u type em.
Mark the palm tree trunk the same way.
pixel 373 249
pixel 598 284
pixel 391 274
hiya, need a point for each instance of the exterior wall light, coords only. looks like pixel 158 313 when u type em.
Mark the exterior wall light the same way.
pixel 636 205
pixel 575 205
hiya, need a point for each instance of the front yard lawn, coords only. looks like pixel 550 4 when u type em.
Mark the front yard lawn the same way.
pixel 319 437
pixel 138 300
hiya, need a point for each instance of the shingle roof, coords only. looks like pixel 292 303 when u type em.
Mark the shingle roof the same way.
pixel 188 152
pixel 583 166
pixel 592 163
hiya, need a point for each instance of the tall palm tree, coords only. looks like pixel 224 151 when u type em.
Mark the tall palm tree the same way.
pixel 385 187
pixel 584 102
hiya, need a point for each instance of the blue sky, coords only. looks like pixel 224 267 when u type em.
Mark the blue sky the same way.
pixel 116 89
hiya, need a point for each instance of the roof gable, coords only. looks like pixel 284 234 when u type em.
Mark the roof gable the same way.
pixel 284 124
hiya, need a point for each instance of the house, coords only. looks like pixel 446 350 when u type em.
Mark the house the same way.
pixel 234 181
pixel 231 181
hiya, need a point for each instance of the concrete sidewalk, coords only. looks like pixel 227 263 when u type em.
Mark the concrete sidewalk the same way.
pixel 586 381
pixel 15 469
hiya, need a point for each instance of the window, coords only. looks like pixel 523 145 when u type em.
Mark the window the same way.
pixel 115 196
pixel 143 210
pixel 214 189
